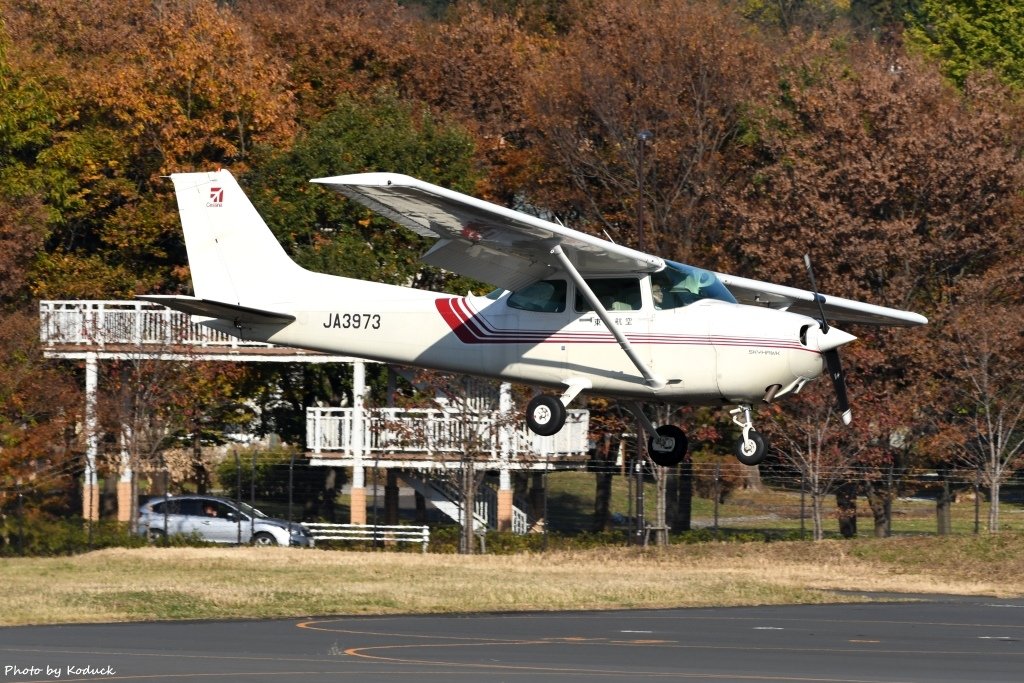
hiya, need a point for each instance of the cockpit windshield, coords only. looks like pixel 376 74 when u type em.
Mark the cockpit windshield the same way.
pixel 679 285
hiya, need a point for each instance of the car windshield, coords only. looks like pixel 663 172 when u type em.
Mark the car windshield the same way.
pixel 250 510
pixel 679 285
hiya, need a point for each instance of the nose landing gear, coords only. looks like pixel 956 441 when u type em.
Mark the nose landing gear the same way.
pixel 750 448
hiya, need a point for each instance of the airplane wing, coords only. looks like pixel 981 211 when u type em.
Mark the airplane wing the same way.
pixel 511 249
pixel 756 292
pixel 485 241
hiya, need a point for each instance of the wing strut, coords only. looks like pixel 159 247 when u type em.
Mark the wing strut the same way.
pixel 650 378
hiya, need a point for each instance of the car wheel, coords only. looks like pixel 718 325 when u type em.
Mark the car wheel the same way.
pixel 156 535
pixel 263 538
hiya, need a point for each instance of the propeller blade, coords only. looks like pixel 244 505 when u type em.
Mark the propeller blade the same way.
pixel 818 298
pixel 829 345
pixel 835 371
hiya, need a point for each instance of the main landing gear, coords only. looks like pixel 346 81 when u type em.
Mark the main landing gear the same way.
pixel 545 415
pixel 668 446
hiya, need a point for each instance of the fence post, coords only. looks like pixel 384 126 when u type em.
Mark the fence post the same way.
pixel 717 490
pixel 803 505
pixel 238 492
pixel 167 531
pixel 291 484
pixel 318 417
pixel 20 524
pixel 252 496
pixel 977 501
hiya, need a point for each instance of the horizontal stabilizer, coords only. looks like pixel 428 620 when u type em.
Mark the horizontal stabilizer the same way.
pixel 219 309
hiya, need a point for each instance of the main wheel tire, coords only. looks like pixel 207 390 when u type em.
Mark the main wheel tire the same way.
pixel 156 536
pixel 751 451
pixel 676 451
pixel 545 415
pixel 264 539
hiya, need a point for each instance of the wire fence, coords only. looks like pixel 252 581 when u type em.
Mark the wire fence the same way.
pixel 705 500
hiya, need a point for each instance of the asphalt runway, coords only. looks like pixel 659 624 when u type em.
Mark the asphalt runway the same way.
pixel 938 639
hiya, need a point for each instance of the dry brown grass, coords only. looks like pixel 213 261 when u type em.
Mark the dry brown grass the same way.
pixel 190 583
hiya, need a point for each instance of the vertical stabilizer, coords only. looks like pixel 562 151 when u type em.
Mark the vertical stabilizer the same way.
pixel 232 254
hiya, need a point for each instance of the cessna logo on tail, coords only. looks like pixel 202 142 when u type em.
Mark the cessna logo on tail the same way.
pixel 216 197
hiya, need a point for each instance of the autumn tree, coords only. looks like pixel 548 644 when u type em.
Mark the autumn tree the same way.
pixel 27 112
pixel 37 420
pixel 473 67
pixel 22 235
pixel 38 407
pixel 323 230
pixel 791 14
pixel 686 73
pixel 893 180
pixel 351 49
pixel 891 452
pixel 152 405
pixel 144 90
pixel 897 183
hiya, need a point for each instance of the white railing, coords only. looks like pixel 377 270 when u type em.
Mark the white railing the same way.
pixel 485 502
pixel 520 521
pixel 322 531
pixel 438 432
pixel 101 323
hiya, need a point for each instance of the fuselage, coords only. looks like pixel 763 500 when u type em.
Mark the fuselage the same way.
pixel 709 351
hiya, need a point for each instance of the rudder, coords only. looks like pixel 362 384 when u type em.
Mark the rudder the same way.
pixel 233 256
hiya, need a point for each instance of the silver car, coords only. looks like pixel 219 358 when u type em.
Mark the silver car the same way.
pixel 218 520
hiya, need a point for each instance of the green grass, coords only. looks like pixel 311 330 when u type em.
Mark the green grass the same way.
pixel 571 508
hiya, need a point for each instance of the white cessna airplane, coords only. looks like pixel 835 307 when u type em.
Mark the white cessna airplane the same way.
pixel 572 312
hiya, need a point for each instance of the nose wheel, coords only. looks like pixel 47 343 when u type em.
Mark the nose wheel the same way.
pixel 750 448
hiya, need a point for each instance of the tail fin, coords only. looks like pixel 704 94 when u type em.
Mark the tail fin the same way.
pixel 233 255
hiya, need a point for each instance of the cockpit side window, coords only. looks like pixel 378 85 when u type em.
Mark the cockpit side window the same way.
pixel 679 285
pixel 545 296
pixel 614 293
